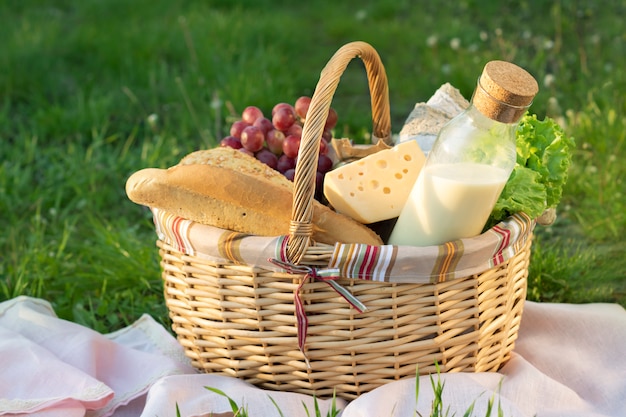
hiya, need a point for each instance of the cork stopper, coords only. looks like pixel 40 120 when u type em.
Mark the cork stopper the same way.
pixel 504 91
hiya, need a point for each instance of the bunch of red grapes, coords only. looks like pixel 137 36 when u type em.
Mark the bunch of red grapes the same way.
pixel 276 141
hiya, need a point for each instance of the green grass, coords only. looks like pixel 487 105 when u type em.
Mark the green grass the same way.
pixel 92 91
pixel 437 406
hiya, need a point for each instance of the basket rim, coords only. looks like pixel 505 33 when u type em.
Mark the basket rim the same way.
pixel 386 263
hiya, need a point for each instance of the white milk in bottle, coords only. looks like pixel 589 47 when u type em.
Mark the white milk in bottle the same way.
pixel 470 162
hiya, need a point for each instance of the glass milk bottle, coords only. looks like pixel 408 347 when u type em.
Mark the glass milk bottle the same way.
pixel 470 162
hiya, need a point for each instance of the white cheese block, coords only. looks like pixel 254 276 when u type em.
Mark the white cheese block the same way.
pixel 376 187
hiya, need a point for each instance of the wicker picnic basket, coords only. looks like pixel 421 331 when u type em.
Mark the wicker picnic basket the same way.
pixel 237 315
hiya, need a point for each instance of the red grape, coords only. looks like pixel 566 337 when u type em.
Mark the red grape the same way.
pixel 252 138
pixel 291 146
pixel 285 163
pixel 280 106
pixel 328 135
pixel 264 124
pixel 274 139
pixel 331 120
pixel 284 118
pixel 250 114
pixel 323 147
pixel 319 181
pixel 324 164
pixel 295 129
pixel 247 152
pixel 267 157
pixel 238 127
pixel 231 142
pixel 290 174
pixel 302 106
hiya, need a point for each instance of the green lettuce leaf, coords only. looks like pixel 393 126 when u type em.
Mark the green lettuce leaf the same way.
pixel 544 155
pixel 524 191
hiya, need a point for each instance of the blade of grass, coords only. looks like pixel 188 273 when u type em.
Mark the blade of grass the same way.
pixel 276 405
pixel 236 409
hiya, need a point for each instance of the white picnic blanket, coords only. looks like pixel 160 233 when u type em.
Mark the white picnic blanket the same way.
pixel 569 360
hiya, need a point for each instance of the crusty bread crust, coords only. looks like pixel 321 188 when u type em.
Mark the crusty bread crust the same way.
pixel 226 157
pixel 211 195
pixel 238 193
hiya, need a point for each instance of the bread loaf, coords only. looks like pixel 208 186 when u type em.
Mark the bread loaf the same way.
pixel 226 157
pixel 225 188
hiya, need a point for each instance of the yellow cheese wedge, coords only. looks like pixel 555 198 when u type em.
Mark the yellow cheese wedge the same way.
pixel 376 187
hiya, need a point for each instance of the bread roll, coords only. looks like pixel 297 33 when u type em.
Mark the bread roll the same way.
pixel 234 191
pixel 226 157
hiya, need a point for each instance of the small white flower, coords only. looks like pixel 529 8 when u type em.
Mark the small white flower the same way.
pixel 360 14
pixel 455 43
pixel 498 32
pixel 548 44
pixel 548 80
pixel 483 35
pixel 216 103
pixel 432 40
pixel 553 108
pixel 527 34
pixel 591 169
pixel 152 120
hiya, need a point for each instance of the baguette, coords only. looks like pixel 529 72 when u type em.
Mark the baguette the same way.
pixel 240 194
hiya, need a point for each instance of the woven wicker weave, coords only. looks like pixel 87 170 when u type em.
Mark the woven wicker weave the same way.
pixel 239 320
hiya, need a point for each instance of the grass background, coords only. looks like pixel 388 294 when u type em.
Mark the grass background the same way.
pixel 92 91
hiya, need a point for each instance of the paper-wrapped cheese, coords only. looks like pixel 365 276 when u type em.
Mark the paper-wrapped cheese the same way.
pixel 426 119
pixel 376 187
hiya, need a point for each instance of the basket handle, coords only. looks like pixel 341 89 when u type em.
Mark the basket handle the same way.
pixel 300 228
